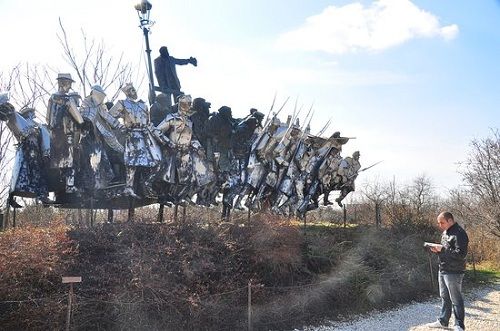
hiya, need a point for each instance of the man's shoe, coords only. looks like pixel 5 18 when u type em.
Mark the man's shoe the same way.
pixel 435 325
pixel 458 328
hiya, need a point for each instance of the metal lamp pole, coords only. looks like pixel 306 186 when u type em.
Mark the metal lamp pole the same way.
pixel 143 10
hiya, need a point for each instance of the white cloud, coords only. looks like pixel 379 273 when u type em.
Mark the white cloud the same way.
pixel 354 27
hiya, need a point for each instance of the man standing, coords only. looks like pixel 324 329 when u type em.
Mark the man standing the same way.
pixel 166 75
pixel 141 149
pixel 64 120
pixel 451 253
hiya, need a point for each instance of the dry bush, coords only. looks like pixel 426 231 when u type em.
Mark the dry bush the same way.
pixel 194 275
pixel 32 262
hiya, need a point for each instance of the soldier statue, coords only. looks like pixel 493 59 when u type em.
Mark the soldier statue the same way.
pixel 201 109
pixel 346 175
pixel 177 165
pixel 141 149
pixel 29 177
pixel 166 74
pixel 98 139
pixel 64 121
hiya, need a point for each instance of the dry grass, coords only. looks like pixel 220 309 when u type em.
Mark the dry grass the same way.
pixel 194 274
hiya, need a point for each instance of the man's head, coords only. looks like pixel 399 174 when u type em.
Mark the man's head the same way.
pixel 184 107
pixel 445 220
pixel 275 123
pixel 28 113
pixel 225 111
pixel 258 116
pixel 64 82
pixel 164 51
pixel 97 94
pixel 162 99
pixel 201 105
pixel 130 91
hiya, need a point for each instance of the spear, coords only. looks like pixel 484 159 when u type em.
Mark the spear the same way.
pixel 271 109
pixel 364 169
pixel 325 127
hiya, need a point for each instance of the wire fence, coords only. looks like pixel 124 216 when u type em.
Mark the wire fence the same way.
pixel 241 298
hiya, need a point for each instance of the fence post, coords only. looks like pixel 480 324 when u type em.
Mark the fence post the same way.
pixel 110 215
pixel 345 215
pixel 70 280
pixel 131 210
pixel 431 271
pixel 160 213
pixel 250 305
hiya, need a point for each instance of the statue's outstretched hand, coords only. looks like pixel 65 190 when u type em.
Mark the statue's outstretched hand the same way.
pixel 193 61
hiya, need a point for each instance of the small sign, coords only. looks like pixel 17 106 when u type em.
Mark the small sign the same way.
pixel 66 280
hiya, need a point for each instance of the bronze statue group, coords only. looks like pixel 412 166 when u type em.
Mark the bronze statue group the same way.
pixel 95 154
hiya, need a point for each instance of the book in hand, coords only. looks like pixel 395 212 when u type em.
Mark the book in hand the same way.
pixel 427 244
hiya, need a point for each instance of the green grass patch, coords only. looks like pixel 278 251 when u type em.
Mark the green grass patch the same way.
pixel 485 273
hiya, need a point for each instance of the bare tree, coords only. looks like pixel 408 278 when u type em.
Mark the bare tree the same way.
pixel 92 65
pixel 404 205
pixel 376 193
pixel 481 175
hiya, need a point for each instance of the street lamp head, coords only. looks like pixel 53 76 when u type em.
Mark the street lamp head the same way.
pixel 143 10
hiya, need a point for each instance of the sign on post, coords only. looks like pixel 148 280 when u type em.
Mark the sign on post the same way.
pixel 70 281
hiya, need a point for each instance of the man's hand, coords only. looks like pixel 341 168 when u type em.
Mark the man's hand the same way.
pixel 436 248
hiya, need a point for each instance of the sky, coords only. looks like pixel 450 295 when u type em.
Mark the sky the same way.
pixel 413 81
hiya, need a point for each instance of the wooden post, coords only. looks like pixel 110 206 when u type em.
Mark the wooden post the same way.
pixel 473 263
pixel 184 214
pixel 70 281
pixel 131 210
pixel 111 214
pixel 249 305
pixel 160 213
pixel 91 212
pixel 14 217
pixel 345 215
pixel 378 221
pixel 431 271
pixel 176 209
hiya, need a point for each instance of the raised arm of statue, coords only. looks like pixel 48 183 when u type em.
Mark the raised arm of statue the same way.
pixel 112 121
pixel 117 109
pixel 73 111
pixel 176 61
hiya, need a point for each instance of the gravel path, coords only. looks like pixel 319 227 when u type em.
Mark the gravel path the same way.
pixel 482 312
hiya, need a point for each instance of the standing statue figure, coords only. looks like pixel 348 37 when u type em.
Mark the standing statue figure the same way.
pixel 347 173
pixel 98 138
pixel 166 74
pixel 141 149
pixel 64 120
pixel 176 173
pixel 220 129
pixel 201 109
pixel 32 152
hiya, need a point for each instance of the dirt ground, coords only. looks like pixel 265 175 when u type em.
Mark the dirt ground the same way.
pixel 482 309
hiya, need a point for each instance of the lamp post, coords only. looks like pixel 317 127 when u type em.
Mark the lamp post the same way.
pixel 143 11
